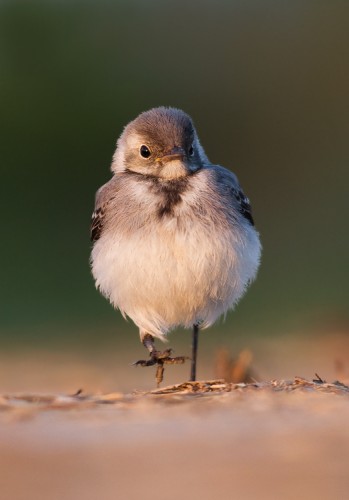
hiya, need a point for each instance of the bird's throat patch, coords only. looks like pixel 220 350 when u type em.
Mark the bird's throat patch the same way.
pixel 170 195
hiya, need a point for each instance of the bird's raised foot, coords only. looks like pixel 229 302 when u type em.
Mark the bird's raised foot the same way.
pixel 160 359
pixel 157 357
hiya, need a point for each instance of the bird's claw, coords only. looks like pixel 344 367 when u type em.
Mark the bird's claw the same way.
pixel 160 359
pixel 143 362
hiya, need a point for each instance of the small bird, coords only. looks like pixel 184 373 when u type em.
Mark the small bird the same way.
pixel 174 242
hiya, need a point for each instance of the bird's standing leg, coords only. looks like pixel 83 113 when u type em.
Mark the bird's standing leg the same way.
pixel 158 358
pixel 194 352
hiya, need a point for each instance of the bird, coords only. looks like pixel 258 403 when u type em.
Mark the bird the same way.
pixel 174 241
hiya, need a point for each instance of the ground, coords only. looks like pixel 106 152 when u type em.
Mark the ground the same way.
pixel 276 439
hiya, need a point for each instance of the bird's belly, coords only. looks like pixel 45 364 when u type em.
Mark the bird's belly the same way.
pixel 167 277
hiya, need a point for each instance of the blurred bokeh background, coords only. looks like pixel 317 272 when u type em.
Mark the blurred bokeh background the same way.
pixel 267 86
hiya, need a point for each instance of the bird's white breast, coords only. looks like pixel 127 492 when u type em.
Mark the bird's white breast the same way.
pixel 177 270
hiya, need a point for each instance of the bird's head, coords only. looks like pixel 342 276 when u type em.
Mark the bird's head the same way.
pixel 161 142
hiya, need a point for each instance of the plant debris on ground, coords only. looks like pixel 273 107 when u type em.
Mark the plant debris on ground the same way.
pixel 80 399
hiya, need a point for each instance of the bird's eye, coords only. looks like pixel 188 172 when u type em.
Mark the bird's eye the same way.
pixel 144 151
pixel 191 150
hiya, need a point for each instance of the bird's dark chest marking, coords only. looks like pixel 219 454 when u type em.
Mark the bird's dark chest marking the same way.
pixel 169 195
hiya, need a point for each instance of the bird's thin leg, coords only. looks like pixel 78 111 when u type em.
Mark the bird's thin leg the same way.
pixel 194 352
pixel 148 342
pixel 158 358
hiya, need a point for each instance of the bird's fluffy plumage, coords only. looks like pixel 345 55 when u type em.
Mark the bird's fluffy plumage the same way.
pixel 171 251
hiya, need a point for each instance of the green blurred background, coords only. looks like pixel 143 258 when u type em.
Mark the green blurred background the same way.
pixel 266 83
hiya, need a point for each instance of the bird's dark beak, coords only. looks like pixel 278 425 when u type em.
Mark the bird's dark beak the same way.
pixel 176 153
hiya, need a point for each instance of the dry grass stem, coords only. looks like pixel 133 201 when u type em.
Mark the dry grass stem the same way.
pixel 80 400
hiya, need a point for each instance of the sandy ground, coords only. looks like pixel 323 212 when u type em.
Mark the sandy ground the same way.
pixel 246 443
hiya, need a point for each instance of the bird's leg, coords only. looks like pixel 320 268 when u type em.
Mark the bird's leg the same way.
pixel 158 358
pixel 148 342
pixel 194 352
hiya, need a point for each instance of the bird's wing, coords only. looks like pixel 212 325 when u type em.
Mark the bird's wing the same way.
pixel 231 184
pixel 103 198
pixel 244 205
pixel 97 223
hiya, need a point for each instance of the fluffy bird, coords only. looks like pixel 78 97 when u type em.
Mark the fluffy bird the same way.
pixel 174 242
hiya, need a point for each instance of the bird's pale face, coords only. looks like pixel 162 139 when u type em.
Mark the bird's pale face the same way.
pixel 162 143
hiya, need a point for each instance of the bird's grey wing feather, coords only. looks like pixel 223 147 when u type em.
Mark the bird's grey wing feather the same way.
pixel 97 223
pixel 103 197
pixel 236 194
pixel 244 205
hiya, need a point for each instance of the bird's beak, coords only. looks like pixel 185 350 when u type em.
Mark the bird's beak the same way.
pixel 176 153
pixel 173 164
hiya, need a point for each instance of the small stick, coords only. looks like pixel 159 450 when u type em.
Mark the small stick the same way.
pixel 319 379
pixel 77 393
